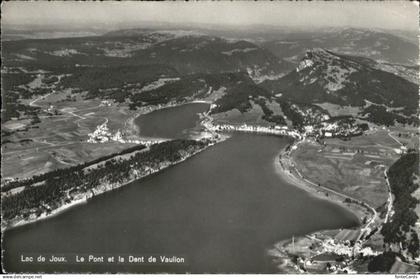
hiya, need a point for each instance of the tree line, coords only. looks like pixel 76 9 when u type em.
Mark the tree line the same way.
pixel 58 172
pixel 56 186
pixel 403 184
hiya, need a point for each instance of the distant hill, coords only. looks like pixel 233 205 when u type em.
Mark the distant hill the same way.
pixel 323 76
pixel 408 72
pixel 136 32
pixel 193 54
pixel 372 44
pixel 186 52
pixel 146 67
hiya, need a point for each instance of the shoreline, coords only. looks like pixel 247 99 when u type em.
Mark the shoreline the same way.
pixel 319 193
pixel 100 189
pixel 44 216
pixel 284 166
pixel 134 130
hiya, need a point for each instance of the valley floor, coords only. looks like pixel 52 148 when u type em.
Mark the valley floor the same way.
pixel 351 174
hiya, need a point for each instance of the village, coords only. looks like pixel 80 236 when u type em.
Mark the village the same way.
pixel 103 135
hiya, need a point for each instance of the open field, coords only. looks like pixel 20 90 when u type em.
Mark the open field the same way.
pixel 408 136
pixel 354 167
pixel 59 139
pixel 26 163
pixel 400 267
pixel 337 110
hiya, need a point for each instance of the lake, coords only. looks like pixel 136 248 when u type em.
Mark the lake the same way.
pixel 220 210
pixel 171 122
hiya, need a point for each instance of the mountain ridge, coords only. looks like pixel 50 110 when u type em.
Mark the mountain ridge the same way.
pixel 323 75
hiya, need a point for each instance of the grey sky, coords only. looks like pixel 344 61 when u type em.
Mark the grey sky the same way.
pixel 387 15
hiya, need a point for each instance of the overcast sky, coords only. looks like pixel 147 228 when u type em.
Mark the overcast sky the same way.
pixel 388 15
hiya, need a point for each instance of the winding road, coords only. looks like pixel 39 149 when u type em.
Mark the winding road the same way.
pixel 368 224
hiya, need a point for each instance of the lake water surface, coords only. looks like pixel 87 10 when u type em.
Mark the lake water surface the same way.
pixel 221 210
pixel 172 122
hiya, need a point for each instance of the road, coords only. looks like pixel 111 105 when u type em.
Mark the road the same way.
pixel 366 226
pixel 32 103
pixel 395 139
pixel 390 201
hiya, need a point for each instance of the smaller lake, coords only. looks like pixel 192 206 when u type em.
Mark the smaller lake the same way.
pixel 172 122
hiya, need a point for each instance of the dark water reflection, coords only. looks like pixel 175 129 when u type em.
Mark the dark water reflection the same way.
pixel 172 122
pixel 220 209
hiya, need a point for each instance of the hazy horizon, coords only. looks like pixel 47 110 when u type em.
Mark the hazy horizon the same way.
pixel 400 15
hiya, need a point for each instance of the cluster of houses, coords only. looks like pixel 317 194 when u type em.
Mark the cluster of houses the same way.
pixel 319 124
pixel 328 250
pixel 106 103
pixel 52 110
pixel 100 135
pixel 311 114
pixel 322 127
pixel 322 130
pixel 330 129
pixel 103 135
pixel 337 129
pixel 274 130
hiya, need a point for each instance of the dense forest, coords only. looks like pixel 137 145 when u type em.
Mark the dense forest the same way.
pixel 179 90
pixel 302 114
pixel 239 96
pixel 125 83
pixel 268 114
pixel 55 189
pixel 188 87
pixel 383 262
pixel 402 180
pixel 58 172
pixel 92 79
pixel 11 107
pixel 381 116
